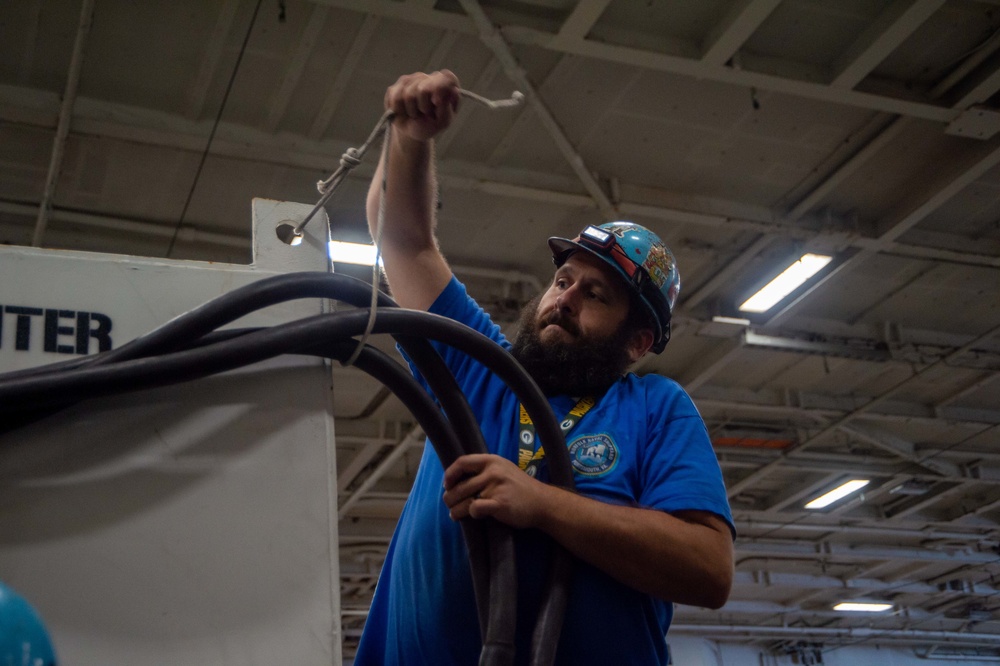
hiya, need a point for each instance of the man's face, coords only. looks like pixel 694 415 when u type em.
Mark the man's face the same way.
pixel 585 300
pixel 572 339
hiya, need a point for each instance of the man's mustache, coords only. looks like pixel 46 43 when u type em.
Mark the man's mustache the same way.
pixel 557 318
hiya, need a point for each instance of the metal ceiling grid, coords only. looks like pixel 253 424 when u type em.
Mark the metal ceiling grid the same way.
pixel 887 369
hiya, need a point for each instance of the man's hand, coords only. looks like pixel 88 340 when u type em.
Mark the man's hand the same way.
pixel 424 104
pixel 481 485
pixel 685 557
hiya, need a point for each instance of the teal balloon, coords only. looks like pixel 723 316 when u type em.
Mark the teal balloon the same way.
pixel 24 641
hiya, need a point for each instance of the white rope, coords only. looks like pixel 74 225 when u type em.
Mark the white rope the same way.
pixel 379 226
pixel 352 158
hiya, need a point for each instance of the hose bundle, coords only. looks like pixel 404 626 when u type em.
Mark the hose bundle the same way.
pixel 190 347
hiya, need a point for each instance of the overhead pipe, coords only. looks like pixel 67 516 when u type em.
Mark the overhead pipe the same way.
pixel 760 473
pixel 757 632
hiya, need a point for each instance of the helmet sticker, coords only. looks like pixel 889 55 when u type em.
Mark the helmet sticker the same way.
pixel 658 264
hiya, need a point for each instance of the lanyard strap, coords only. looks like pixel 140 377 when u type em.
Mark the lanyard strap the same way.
pixel 530 460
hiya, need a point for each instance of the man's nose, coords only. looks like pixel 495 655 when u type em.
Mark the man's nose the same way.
pixel 568 300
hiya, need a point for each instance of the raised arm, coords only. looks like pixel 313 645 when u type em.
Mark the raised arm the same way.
pixel 424 105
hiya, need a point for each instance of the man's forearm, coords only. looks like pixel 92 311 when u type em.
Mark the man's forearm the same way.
pixel 414 267
pixel 666 556
pixel 410 183
pixel 687 557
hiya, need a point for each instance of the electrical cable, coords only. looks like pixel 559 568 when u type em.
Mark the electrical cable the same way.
pixel 483 548
pixel 188 347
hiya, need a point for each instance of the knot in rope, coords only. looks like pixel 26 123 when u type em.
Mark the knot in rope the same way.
pixel 350 159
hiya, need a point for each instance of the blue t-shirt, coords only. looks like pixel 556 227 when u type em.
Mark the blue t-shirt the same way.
pixel 643 444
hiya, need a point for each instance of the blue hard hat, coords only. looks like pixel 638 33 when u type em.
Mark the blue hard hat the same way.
pixel 23 637
pixel 640 258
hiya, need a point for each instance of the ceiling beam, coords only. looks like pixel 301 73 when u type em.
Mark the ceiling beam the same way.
pixel 442 50
pixel 735 28
pixel 583 17
pixel 30 37
pixel 698 373
pixel 893 227
pixel 982 91
pixel 197 93
pixel 483 82
pixel 148 126
pixel 849 635
pixel 656 61
pixel 850 166
pixel 345 72
pixel 412 439
pixel 890 229
pixel 890 29
pixel 292 72
pixel 65 118
pixel 925 501
pixel 886 441
pixel 411 12
pixel 846 463
pixel 759 474
pixel 799 490
pixel 131 225
pixel 564 67
pixel 827 551
pixel 493 39
pixel 752 520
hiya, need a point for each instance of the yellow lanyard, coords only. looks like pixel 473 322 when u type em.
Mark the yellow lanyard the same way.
pixel 530 460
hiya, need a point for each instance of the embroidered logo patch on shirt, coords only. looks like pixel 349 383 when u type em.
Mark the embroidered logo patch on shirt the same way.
pixel 593 455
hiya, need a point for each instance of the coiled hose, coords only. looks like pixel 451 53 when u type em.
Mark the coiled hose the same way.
pixel 189 347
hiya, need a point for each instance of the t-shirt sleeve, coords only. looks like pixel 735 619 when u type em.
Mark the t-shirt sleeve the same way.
pixel 680 470
pixel 455 303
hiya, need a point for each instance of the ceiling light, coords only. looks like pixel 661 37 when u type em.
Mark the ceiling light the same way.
pixel 353 253
pixel 862 607
pixel 736 321
pixel 837 493
pixel 789 280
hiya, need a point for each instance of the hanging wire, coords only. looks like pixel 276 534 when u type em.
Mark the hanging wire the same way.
pixel 215 126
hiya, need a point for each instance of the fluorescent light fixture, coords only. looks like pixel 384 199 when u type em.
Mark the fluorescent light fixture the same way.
pixel 837 493
pixel 861 606
pixel 789 280
pixel 353 253
pixel 736 321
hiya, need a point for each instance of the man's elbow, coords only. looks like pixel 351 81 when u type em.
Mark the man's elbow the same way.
pixel 715 586
pixel 717 591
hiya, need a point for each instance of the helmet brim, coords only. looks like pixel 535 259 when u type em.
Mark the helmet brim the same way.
pixel 561 248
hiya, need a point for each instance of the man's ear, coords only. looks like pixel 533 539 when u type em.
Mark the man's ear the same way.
pixel 639 344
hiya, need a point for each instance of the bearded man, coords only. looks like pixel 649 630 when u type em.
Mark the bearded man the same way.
pixel 649 521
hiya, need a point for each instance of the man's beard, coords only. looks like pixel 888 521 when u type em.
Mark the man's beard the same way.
pixel 583 366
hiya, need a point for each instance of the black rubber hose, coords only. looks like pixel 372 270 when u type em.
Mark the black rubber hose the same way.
pixel 497 547
pixel 398 380
pixel 499 625
pixel 153 372
pixel 494 583
pixel 202 320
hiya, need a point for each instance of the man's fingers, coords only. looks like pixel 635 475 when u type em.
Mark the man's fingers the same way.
pixel 467 465
pixel 473 507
